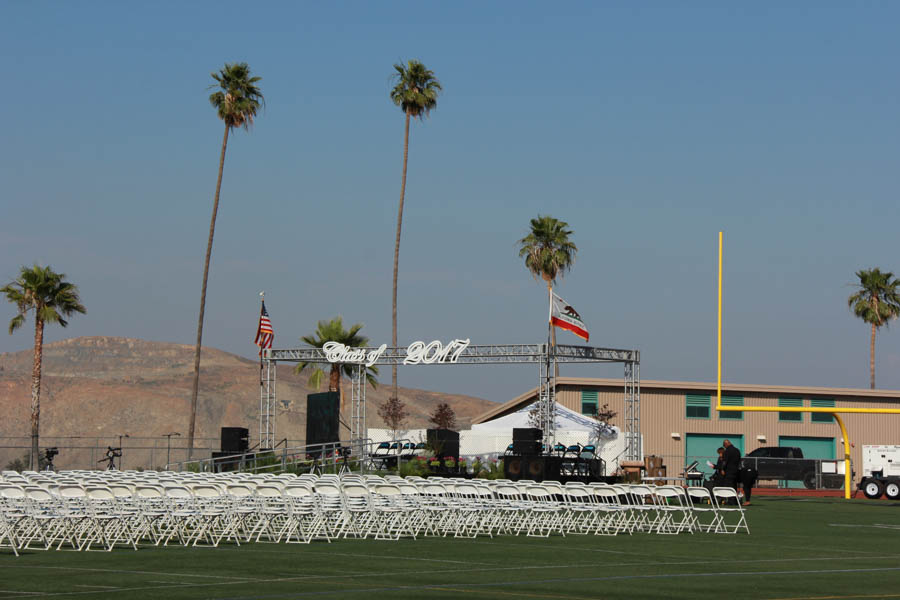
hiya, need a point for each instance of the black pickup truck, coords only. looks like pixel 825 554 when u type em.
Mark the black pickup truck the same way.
pixel 786 463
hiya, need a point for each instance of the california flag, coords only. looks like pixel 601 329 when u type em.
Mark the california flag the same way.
pixel 565 317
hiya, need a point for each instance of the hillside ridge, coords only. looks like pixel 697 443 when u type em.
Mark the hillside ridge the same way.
pixel 107 386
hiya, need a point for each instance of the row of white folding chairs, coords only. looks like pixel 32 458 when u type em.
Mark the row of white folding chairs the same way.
pixel 330 507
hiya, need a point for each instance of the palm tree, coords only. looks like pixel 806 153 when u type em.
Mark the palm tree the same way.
pixel 548 252
pixel 52 298
pixel 236 102
pixel 415 92
pixel 333 331
pixel 876 303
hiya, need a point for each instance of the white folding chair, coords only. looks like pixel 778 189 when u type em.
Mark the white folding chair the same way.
pixel 704 510
pixel 182 515
pixel 358 513
pixel 544 514
pixel 152 515
pixel 271 513
pixel 672 507
pixel 11 515
pixel 393 514
pixel 730 509
pixel 304 521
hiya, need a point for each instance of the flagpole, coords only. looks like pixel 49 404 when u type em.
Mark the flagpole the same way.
pixel 550 393
pixel 262 303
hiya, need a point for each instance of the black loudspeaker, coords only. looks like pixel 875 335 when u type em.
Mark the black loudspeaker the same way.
pixel 235 440
pixel 514 466
pixel 444 442
pixel 527 440
pixel 536 468
pixel 322 412
pixel 527 434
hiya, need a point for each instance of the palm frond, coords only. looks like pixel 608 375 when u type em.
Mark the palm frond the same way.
pixel 316 377
pixel 877 300
pixel 16 322
pixel 547 249
pixel 416 89
pixel 238 98
pixel 44 291
pixel 333 331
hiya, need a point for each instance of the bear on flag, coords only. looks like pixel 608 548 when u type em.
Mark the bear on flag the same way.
pixel 565 317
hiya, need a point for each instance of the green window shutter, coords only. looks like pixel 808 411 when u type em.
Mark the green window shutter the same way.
pixel 821 417
pixel 732 401
pixel 696 406
pixel 795 417
pixel 589 402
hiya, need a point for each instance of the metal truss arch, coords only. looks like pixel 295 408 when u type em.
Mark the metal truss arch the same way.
pixel 545 355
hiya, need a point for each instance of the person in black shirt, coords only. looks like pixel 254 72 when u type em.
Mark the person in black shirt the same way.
pixel 732 466
pixel 718 476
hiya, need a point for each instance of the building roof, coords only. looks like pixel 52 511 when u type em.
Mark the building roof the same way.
pixel 730 388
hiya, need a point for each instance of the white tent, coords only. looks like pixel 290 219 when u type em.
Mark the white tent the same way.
pixel 566 420
pixel 492 437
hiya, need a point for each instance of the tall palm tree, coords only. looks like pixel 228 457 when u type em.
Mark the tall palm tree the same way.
pixel 549 253
pixel 333 331
pixel 237 101
pixel 52 299
pixel 876 302
pixel 415 91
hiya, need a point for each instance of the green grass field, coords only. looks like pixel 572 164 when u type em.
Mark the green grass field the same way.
pixel 806 548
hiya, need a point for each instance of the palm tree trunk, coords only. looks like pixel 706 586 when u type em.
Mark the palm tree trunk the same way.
pixel 334 377
pixel 209 243
pixel 36 392
pixel 394 388
pixel 872 359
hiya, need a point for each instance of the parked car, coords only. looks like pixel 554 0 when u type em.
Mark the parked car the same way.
pixel 786 463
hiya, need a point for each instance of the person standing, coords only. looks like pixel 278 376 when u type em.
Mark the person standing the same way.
pixel 718 475
pixel 748 478
pixel 732 458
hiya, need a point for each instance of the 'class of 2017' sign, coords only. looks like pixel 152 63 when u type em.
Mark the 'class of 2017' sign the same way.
pixel 416 353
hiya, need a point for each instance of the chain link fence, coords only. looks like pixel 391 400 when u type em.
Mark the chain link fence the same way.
pixel 775 473
pixel 86 452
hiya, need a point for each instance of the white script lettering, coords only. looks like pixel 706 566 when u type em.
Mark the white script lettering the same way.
pixel 339 353
pixel 435 352
pixel 416 353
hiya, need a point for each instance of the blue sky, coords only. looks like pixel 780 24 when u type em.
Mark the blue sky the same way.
pixel 647 127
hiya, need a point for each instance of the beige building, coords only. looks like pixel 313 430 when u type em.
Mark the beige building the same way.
pixel 678 420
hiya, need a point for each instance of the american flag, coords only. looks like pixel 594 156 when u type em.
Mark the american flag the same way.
pixel 264 332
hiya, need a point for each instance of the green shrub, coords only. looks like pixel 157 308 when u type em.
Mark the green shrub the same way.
pixel 492 470
pixel 417 466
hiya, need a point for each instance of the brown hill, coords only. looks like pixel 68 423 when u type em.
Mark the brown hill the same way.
pixel 97 388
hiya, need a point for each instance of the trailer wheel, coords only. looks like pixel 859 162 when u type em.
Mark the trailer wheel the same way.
pixel 809 480
pixel 892 490
pixel 873 489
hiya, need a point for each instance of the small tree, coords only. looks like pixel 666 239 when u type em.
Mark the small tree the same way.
pixel 604 416
pixel 393 412
pixel 443 417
